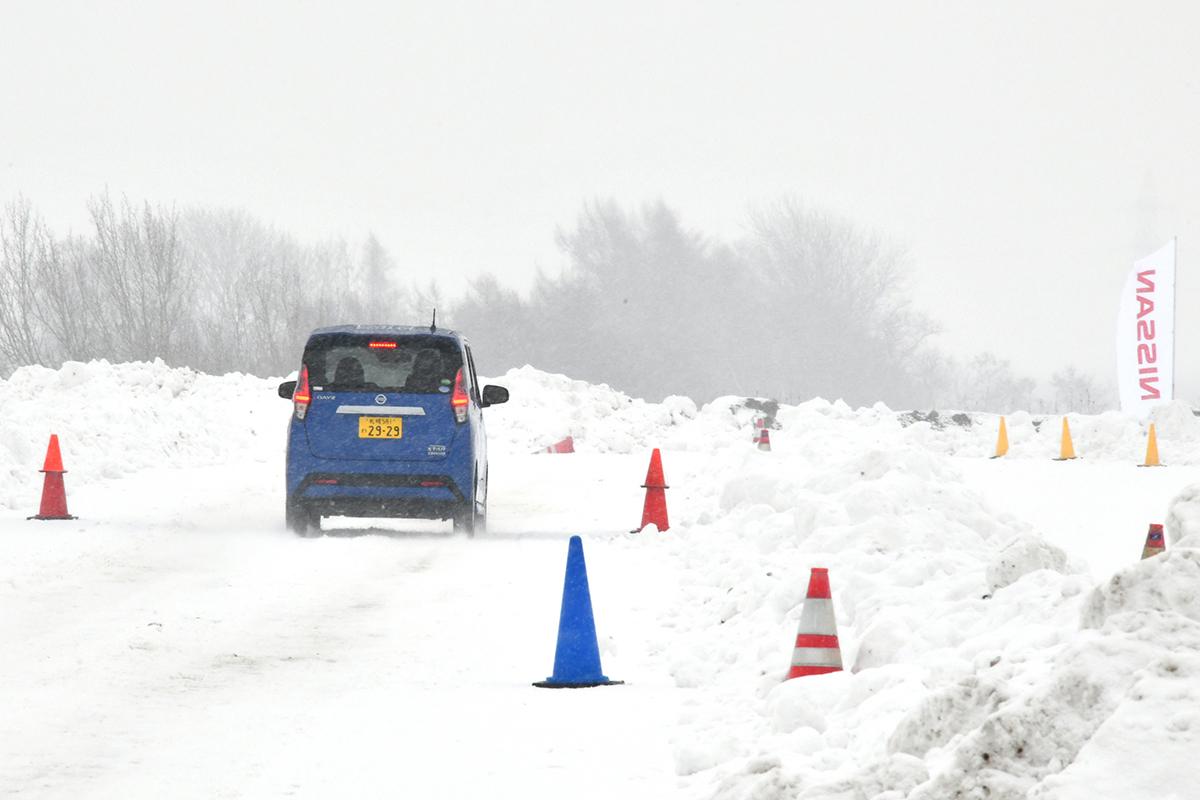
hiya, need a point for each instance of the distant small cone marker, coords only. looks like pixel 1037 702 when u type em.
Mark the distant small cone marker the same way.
pixel 764 440
pixel 655 508
pixel 759 424
pixel 1066 450
pixel 1152 450
pixel 54 492
pixel 817 650
pixel 1155 543
pixel 1002 440
pixel 566 445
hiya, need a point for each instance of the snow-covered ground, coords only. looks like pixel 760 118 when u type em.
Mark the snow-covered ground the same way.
pixel 1000 636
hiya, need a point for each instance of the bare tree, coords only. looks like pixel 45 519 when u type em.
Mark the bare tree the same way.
pixel 23 249
pixel 1076 391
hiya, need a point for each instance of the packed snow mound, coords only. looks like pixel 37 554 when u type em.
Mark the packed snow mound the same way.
pixel 1183 517
pixel 940 602
pixel 544 408
pixel 980 661
pixel 116 419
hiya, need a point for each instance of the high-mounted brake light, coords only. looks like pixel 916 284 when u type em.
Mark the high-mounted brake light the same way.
pixel 382 345
pixel 459 400
pixel 302 395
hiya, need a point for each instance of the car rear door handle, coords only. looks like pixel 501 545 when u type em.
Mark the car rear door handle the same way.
pixel 383 411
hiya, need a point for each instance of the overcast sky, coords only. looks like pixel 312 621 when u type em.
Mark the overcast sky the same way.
pixel 1022 153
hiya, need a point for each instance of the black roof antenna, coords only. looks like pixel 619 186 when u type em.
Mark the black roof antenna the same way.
pixel 433 325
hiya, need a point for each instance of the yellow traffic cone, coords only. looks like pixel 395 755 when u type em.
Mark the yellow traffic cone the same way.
pixel 1066 450
pixel 1002 440
pixel 1152 450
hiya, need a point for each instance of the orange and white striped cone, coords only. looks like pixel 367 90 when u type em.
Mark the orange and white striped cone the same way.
pixel 817 650
pixel 759 424
pixel 764 440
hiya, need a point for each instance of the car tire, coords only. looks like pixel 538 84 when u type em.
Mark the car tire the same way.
pixel 466 520
pixel 301 521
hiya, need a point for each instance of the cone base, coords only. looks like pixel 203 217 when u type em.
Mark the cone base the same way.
pixel 1151 465
pixel 993 458
pixel 549 684
pixel 39 516
pixel 800 672
pixel 1072 458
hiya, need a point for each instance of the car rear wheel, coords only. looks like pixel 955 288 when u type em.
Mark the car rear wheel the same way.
pixel 301 521
pixel 469 519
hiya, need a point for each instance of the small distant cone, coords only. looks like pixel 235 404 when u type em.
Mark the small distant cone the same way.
pixel 759 424
pixel 655 508
pixel 764 440
pixel 1002 440
pixel 54 492
pixel 817 650
pixel 1066 450
pixel 567 445
pixel 1155 543
pixel 1152 450
pixel 577 655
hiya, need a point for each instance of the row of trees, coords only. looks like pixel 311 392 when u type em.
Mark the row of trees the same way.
pixel 215 290
pixel 805 304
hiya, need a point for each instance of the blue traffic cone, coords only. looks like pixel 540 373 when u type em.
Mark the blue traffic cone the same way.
pixel 577 659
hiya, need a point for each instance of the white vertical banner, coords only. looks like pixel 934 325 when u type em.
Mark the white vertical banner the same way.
pixel 1146 333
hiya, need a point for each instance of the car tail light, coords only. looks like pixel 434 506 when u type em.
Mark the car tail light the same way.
pixel 382 345
pixel 302 396
pixel 459 400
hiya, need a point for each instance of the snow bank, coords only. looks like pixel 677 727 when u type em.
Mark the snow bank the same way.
pixel 544 408
pixel 981 661
pixel 116 419
pixel 942 604
pixel 1183 517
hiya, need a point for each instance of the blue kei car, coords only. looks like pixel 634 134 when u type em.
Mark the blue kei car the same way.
pixel 387 421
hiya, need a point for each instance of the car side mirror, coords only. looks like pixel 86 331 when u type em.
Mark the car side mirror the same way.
pixel 494 395
pixel 287 389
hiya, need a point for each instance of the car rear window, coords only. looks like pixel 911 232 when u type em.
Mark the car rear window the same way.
pixel 409 364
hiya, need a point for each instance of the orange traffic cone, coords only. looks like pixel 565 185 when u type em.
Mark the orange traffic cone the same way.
pixel 567 445
pixel 817 650
pixel 1002 440
pixel 655 509
pixel 54 492
pixel 1152 450
pixel 1155 543
pixel 1066 450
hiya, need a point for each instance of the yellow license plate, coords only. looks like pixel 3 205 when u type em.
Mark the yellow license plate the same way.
pixel 380 427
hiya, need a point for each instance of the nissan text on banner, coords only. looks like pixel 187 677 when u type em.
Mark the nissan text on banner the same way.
pixel 1146 334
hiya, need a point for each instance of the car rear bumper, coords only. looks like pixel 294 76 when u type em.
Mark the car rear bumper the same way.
pixel 357 494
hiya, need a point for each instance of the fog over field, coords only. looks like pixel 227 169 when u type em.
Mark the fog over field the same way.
pixel 924 205
pixel 871 313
